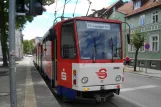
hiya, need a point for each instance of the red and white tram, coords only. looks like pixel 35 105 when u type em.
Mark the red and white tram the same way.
pixel 83 58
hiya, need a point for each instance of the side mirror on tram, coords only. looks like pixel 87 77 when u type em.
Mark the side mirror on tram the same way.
pixel 52 35
pixel 128 38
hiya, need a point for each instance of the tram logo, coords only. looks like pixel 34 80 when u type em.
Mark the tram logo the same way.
pixel 102 73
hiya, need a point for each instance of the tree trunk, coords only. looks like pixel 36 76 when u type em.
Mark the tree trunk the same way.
pixel 3 40
pixel 135 62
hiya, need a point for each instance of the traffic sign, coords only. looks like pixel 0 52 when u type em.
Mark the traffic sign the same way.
pixel 147 46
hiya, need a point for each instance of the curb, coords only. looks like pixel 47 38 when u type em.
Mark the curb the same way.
pixel 131 71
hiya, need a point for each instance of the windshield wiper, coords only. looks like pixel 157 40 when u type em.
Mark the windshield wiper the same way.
pixel 112 47
pixel 95 50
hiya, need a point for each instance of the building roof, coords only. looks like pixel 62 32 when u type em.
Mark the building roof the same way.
pixel 110 8
pixel 126 8
pixel 148 5
pixel 113 4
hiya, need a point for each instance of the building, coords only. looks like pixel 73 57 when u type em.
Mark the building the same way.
pixel 36 40
pixel 116 11
pixel 146 17
pixel 143 16
pixel 18 45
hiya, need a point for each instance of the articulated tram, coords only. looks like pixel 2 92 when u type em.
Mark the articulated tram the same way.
pixel 83 58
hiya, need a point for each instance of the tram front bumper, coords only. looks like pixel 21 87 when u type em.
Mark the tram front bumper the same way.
pixel 97 88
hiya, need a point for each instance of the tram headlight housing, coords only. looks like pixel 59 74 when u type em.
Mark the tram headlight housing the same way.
pixel 118 78
pixel 84 80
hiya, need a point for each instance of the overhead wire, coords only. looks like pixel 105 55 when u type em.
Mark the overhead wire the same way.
pixel 51 13
pixel 64 8
pixel 75 8
pixel 89 6
pixel 55 8
pixel 63 5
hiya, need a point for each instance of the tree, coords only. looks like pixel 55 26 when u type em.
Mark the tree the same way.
pixel 3 32
pixel 20 21
pixel 138 42
pixel 28 46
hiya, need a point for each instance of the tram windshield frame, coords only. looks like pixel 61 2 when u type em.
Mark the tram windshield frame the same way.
pixel 99 40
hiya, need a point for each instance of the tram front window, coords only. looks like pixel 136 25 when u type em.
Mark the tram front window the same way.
pixel 99 40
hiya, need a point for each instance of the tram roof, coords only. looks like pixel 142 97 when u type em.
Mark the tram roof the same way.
pixel 80 18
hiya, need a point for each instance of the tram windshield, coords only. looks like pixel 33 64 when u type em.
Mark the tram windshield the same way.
pixel 99 40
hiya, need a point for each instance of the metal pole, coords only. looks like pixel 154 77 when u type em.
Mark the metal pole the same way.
pixel 62 18
pixel 88 7
pixel 146 62
pixel 12 67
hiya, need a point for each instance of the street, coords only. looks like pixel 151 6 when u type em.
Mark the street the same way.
pixel 137 91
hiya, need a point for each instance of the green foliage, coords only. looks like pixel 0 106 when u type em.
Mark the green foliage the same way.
pixel 138 40
pixel 28 46
pixel 48 2
pixel 20 21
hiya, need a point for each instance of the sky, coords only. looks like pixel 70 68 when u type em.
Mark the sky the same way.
pixel 40 25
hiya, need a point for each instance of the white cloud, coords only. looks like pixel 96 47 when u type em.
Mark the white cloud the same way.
pixel 81 8
pixel 42 23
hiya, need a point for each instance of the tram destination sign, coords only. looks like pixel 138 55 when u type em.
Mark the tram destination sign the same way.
pixel 98 26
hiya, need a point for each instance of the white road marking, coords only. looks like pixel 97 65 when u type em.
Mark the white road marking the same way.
pixel 30 100
pixel 132 101
pixel 138 88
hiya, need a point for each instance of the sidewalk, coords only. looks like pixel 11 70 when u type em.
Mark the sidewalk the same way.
pixel 32 91
pixel 142 71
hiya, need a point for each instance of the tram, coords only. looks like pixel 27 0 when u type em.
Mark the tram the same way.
pixel 83 58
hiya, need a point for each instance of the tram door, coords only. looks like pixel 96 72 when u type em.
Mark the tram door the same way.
pixel 54 58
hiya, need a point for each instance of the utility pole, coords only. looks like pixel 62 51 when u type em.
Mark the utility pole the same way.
pixel 12 66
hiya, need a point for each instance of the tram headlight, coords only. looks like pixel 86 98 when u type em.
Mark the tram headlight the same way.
pixel 118 78
pixel 84 80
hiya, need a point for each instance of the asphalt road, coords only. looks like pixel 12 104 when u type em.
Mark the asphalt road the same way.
pixel 138 91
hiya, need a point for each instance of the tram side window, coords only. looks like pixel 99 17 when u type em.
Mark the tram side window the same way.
pixel 68 47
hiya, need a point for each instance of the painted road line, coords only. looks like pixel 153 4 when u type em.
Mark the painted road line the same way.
pixel 30 100
pixel 132 101
pixel 139 88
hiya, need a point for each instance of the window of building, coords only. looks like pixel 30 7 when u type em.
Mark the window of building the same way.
pixel 155 17
pixel 142 20
pixel 131 25
pixel 68 45
pixel 141 49
pixel 131 47
pixel 154 42
pixel 137 4
pixel 153 64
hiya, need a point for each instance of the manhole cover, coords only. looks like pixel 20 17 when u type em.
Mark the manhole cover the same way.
pixel 4 94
